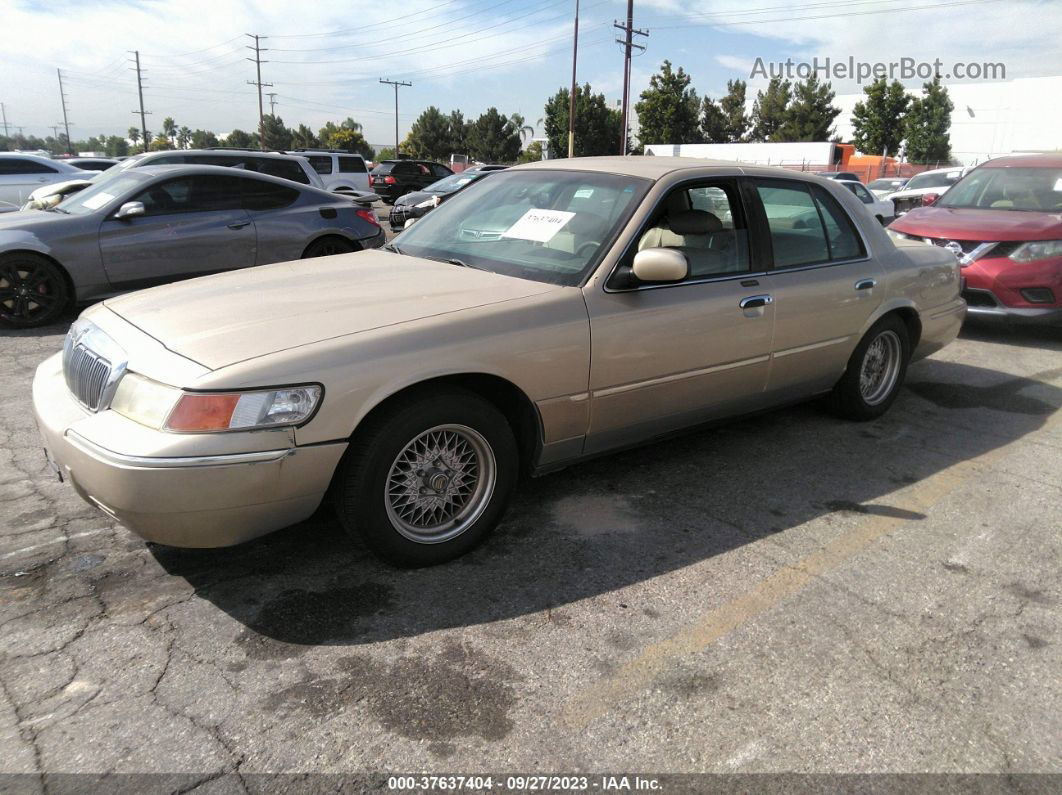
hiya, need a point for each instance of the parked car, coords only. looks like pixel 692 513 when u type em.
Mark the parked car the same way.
pixel 413 384
pixel 91 163
pixel 838 175
pixel 925 188
pixel 394 178
pixel 21 174
pixel 885 186
pixel 341 171
pixel 1004 222
pixel 881 209
pixel 157 224
pixel 419 203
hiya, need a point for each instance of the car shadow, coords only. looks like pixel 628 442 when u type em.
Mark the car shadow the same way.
pixel 989 330
pixel 606 524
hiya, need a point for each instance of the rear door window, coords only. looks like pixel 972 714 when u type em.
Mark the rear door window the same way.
pixel 19 165
pixel 322 164
pixel 798 236
pixel 351 165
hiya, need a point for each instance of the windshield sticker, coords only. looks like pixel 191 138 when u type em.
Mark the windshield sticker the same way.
pixel 1058 184
pixel 97 201
pixel 583 193
pixel 539 225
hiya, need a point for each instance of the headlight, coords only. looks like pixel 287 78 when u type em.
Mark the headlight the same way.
pixel 1038 249
pixel 169 409
pixel 895 235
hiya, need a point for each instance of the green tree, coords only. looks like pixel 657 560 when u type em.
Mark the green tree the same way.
pixel 493 139
pixel 769 110
pixel 733 107
pixel 429 136
pixel 274 133
pixel 669 110
pixel 597 126
pixel 714 127
pixel 459 129
pixel 169 128
pixel 203 139
pixel 878 121
pixel 810 115
pixel 134 135
pixel 116 146
pixel 532 153
pixel 387 153
pixel 350 140
pixel 929 124
pixel 521 126
pixel 184 136
pixel 161 143
pixel 304 138
pixel 240 140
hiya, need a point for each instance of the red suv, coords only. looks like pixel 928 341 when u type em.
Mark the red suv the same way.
pixel 1003 220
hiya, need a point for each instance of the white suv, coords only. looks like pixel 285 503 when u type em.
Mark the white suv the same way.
pixel 341 171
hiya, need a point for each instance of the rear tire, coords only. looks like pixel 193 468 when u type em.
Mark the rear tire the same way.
pixel 875 372
pixel 33 290
pixel 328 247
pixel 429 479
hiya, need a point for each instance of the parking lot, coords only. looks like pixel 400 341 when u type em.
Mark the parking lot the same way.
pixel 789 592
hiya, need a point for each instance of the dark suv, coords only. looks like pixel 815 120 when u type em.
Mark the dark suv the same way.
pixel 393 178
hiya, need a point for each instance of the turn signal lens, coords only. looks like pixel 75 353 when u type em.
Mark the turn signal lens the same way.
pixel 243 410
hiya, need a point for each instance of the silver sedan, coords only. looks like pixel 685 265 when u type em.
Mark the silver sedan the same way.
pixel 158 224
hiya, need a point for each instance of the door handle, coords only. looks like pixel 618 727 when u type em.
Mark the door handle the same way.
pixel 238 224
pixel 866 284
pixel 755 301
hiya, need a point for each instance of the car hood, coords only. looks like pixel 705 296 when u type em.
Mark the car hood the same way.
pixel 965 224
pixel 33 221
pixel 416 197
pixel 231 317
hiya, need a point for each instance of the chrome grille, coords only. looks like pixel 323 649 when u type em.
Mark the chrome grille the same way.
pixel 87 374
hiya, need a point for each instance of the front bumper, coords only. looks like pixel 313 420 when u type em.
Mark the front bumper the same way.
pixel 994 290
pixel 213 499
pixel 400 213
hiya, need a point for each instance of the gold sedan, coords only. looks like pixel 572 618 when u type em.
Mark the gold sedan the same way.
pixel 551 312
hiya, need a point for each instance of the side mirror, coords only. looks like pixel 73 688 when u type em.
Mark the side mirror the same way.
pixel 660 265
pixel 929 199
pixel 130 210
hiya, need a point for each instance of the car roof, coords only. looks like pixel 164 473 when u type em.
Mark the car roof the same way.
pixel 654 167
pixel 1039 160
pixel 178 169
pixel 222 152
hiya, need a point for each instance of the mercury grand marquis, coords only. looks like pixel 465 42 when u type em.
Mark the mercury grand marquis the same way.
pixel 556 311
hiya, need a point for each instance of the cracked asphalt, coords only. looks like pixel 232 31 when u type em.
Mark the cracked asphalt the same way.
pixel 789 592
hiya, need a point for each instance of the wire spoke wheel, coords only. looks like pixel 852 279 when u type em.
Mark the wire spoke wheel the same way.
pixel 440 483
pixel 881 367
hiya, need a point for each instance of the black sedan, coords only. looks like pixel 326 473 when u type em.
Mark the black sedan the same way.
pixel 414 205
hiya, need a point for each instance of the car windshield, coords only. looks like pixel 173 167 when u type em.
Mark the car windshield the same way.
pixel 943 179
pixel 452 183
pixel 885 184
pixel 549 226
pixel 108 186
pixel 1026 189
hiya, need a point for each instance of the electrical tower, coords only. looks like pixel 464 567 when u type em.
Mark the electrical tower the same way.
pixel 629 32
pixel 66 122
pixel 140 92
pixel 258 82
pixel 397 84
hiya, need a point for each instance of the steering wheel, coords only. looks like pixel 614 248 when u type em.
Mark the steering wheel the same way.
pixel 593 245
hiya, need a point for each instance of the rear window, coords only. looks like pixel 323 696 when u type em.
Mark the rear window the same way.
pixel 351 165
pixel 19 165
pixel 942 180
pixel 384 168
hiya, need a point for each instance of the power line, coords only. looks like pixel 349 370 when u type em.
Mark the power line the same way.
pixel 258 82
pixel 397 84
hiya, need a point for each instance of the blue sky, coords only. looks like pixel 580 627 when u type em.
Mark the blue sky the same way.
pixel 325 58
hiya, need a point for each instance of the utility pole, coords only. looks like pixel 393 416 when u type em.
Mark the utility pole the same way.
pixel 55 131
pixel 140 93
pixel 629 32
pixel 272 103
pixel 571 99
pixel 3 112
pixel 397 84
pixel 258 82
pixel 66 123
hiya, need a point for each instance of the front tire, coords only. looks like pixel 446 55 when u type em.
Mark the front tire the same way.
pixel 428 480
pixel 33 290
pixel 875 372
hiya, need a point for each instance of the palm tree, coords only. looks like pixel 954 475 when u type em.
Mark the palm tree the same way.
pixel 350 124
pixel 134 135
pixel 184 135
pixel 169 127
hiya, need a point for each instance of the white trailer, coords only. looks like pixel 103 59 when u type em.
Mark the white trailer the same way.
pixel 811 153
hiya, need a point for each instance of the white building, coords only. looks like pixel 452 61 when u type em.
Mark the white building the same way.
pixel 991 119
